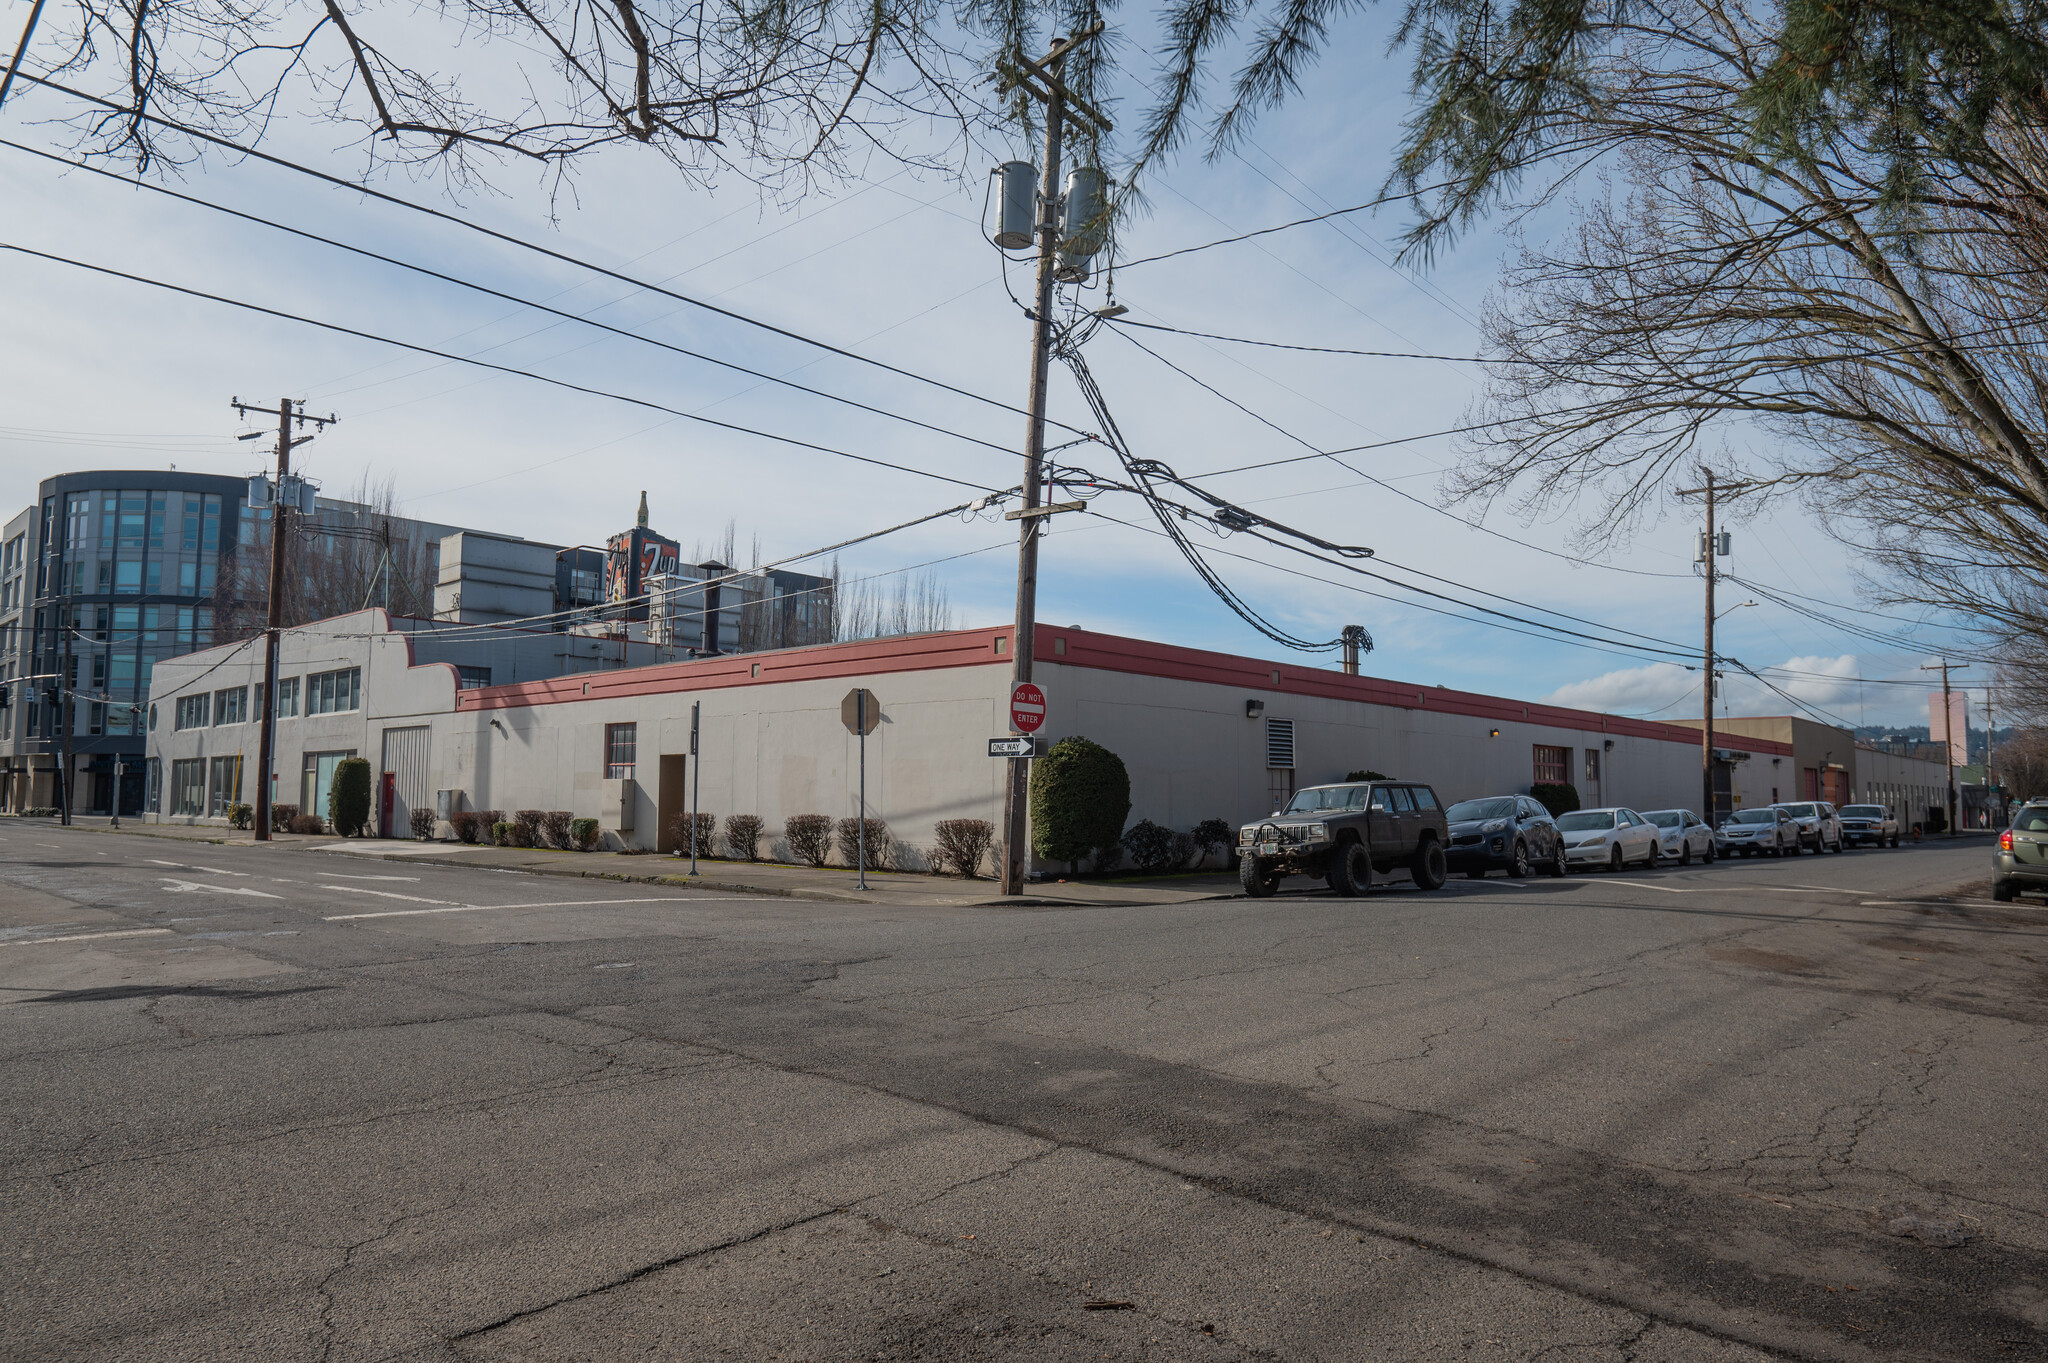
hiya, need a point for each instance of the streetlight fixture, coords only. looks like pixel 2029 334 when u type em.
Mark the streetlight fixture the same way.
pixel 1734 608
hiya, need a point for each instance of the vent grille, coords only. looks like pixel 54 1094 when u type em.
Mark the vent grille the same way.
pixel 1280 744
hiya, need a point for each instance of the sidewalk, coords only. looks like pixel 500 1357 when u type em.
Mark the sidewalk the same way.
pixel 764 878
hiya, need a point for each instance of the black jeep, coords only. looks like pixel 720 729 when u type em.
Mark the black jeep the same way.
pixel 1346 835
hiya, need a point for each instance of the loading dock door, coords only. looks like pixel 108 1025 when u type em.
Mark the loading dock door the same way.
pixel 405 766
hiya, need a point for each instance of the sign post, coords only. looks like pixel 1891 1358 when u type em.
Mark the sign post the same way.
pixel 860 712
pixel 696 781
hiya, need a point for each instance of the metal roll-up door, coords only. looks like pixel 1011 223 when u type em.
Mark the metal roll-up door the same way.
pixel 405 761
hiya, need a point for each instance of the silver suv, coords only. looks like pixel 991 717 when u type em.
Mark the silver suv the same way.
pixel 2021 860
pixel 1820 827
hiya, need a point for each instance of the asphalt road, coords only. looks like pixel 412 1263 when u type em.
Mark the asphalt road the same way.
pixel 259 1103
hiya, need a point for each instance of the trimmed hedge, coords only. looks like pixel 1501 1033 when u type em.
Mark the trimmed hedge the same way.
pixel 809 837
pixel 743 836
pixel 962 845
pixel 584 833
pixel 348 799
pixel 1080 797
pixel 1559 797
pixel 878 844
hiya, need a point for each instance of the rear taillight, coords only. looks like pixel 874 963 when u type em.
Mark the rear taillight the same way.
pixel 2005 841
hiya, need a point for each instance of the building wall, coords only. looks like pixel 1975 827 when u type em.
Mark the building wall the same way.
pixel 1908 786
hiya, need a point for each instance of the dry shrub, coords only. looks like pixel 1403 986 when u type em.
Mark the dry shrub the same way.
pixel 809 837
pixel 743 836
pixel 962 845
pixel 878 842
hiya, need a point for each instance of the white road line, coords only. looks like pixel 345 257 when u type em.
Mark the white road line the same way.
pixel 154 862
pixel 1496 884
pixel 88 937
pixel 339 875
pixel 555 904
pixel 186 886
pixel 212 872
pixel 1648 885
pixel 387 894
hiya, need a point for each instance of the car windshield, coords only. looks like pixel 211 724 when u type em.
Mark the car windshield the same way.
pixel 1499 807
pixel 1318 798
pixel 1755 816
pixel 1582 821
pixel 1666 818
pixel 2031 820
pixel 1802 811
pixel 1863 811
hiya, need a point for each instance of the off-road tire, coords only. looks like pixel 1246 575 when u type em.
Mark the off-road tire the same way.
pixel 1258 884
pixel 1518 861
pixel 1351 870
pixel 1427 865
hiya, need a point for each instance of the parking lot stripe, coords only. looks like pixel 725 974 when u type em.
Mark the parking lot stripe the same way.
pixel 88 937
pixel 388 894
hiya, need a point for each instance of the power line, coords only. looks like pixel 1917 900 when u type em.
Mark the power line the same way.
pixel 510 240
pixel 510 298
pixel 1314 349
pixel 486 364
pixel 1282 227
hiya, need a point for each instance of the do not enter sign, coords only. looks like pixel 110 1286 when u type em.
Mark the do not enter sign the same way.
pixel 1027 708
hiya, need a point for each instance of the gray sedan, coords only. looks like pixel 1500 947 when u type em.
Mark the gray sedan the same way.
pixel 1684 834
pixel 1769 832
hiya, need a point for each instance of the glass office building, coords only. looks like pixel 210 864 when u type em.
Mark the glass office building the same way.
pixel 106 574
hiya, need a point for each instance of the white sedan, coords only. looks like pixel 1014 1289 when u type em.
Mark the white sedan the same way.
pixel 1609 837
pixel 1685 835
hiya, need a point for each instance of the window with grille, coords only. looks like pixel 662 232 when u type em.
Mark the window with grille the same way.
pixel 1592 768
pixel 472 678
pixel 1280 744
pixel 619 743
pixel 1553 765
pixel 330 693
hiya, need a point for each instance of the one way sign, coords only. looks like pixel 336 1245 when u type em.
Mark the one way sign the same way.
pixel 1012 747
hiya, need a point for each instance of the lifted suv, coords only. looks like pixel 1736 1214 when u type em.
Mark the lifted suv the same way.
pixel 1346 835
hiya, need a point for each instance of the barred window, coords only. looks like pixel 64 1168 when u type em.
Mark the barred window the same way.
pixel 472 678
pixel 1553 765
pixel 620 741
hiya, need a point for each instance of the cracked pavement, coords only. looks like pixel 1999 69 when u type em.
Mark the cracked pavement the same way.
pixel 296 1104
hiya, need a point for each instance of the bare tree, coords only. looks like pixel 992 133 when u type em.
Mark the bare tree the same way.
pixel 357 552
pixel 864 609
pixel 2021 763
pixel 1774 319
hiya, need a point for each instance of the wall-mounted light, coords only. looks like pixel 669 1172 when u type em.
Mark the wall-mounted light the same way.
pixel 1608 745
pixel 1254 708
pixel 499 727
pixel 1493 733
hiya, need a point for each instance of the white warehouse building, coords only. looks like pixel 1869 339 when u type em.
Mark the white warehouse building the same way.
pixel 479 719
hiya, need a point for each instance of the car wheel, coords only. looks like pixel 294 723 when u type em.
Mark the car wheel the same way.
pixel 2004 891
pixel 1560 865
pixel 1256 880
pixel 1351 870
pixel 1614 861
pixel 1798 846
pixel 1685 853
pixel 1839 849
pixel 1427 866
pixel 1895 842
pixel 1518 868
pixel 1709 855
pixel 1653 857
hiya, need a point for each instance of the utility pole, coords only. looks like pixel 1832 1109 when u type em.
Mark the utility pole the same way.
pixel 1948 732
pixel 1042 81
pixel 1710 546
pixel 282 496
pixel 67 707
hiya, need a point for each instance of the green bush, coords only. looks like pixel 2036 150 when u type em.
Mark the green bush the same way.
pixel 1212 836
pixel 241 816
pixel 1080 797
pixel 348 799
pixel 583 833
pixel 1152 847
pixel 1367 775
pixel 1559 797
pixel 501 834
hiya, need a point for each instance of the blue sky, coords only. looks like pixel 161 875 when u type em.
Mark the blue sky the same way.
pixel 96 372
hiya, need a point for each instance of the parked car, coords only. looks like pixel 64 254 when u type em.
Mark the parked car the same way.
pixel 1347 834
pixel 2021 860
pixel 1503 833
pixel 1611 837
pixel 1873 824
pixel 1820 828
pixel 1684 835
pixel 1766 832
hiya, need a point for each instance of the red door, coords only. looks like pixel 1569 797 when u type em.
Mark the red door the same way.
pixel 387 797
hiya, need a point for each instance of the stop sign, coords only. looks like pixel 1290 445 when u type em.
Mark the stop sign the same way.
pixel 1027 708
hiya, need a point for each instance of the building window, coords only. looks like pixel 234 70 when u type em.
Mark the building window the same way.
pixel 224 785
pixel 288 698
pixel 192 711
pixel 471 678
pixel 1553 765
pixel 231 705
pixel 620 740
pixel 330 693
pixel 1592 769
pixel 188 786
pixel 1280 744
pixel 316 778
